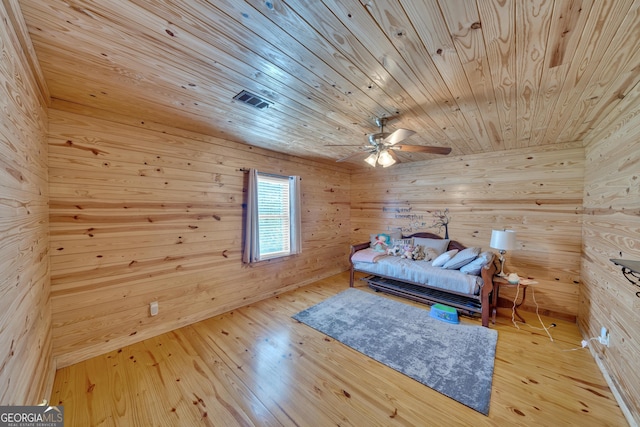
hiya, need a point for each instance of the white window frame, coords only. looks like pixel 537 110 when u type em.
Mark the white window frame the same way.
pixel 263 217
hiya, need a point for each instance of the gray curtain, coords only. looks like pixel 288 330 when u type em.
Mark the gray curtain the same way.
pixel 296 215
pixel 252 235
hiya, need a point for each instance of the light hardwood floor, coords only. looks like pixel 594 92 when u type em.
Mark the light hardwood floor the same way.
pixel 257 366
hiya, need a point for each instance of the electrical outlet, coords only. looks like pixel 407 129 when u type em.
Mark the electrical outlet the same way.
pixel 604 336
pixel 153 308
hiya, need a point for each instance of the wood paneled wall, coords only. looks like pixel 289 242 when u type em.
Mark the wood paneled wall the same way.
pixel 142 212
pixel 26 369
pixel 536 192
pixel 612 230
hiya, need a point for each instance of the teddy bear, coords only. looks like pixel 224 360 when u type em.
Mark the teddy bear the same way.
pixel 430 254
pixel 418 253
pixel 394 251
pixel 407 251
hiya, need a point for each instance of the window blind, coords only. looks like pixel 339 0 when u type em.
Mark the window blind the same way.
pixel 274 216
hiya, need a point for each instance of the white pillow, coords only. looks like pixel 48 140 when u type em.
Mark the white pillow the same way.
pixel 462 258
pixel 440 245
pixel 443 258
pixel 477 264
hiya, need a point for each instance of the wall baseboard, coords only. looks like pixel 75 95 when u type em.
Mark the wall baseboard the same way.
pixel 48 385
pixel 611 383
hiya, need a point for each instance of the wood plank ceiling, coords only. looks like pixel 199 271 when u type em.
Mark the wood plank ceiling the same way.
pixel 477 76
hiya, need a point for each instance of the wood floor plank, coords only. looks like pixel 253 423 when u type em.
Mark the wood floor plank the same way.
pixel 256 366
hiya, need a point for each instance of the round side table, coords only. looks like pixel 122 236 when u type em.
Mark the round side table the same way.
pixel 499 282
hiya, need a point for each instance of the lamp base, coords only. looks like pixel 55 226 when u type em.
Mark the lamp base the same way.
pixel 502 273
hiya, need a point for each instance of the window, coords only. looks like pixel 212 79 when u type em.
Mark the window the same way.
pixel 274 216
pixel 272 227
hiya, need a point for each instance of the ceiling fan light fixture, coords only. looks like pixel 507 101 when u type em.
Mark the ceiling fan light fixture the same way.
pixel 372 159
pixel 386 159
pixel 383 146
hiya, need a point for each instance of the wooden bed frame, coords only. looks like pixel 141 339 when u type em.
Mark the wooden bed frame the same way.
pixel 467 304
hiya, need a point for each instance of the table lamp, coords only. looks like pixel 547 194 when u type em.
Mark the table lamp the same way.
pixel 503 241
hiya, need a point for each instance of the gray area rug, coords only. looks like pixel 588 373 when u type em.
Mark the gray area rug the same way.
pixel 456 360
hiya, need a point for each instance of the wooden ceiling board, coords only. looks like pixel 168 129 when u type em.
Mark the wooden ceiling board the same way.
pixel 390 17
pixel 533 21
pixel 391 51
pixel 564 37
pixel 498 22
pixel 381 53
pixel 153 96
pixel 481 76
pixel 434 35
pixel 383 86
pixel 616 76
pixel 282 75
pixel 223 127
pixel 16 21
pixel 168 68
pixel 342 72
pixel 172 64
pixel 465 26
pixel 605 18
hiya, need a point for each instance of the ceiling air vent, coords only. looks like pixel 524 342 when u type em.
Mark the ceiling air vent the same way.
pixel 253 100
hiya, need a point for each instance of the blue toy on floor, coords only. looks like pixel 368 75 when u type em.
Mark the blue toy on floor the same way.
pixel 444 313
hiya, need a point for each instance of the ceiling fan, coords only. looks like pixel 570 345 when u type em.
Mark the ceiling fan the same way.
pixel 382 145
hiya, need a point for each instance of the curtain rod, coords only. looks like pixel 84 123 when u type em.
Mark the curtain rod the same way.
pixel 245 170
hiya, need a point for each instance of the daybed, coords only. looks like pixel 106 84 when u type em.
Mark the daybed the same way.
pixel 420 281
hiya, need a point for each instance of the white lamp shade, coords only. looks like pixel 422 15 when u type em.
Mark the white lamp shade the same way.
pixel 372 159
pixel 385 159
pixel 503 240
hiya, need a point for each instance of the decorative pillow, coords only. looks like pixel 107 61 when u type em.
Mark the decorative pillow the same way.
pixel 443 258
pixel 395 234
pixel 402 242
pixel 430 254
pixel 380 241
pixel 462 258
pixel 397 246
pixel 477 264
pixel 440 245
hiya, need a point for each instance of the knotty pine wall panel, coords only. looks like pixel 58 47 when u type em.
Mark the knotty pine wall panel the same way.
pixel 142 214
pixel 612 230
pixel 26 363
pixel 536 192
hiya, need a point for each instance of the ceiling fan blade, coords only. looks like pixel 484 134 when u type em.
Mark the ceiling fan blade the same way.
pixel 422 149
pixel 354 155
pixel 398 135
